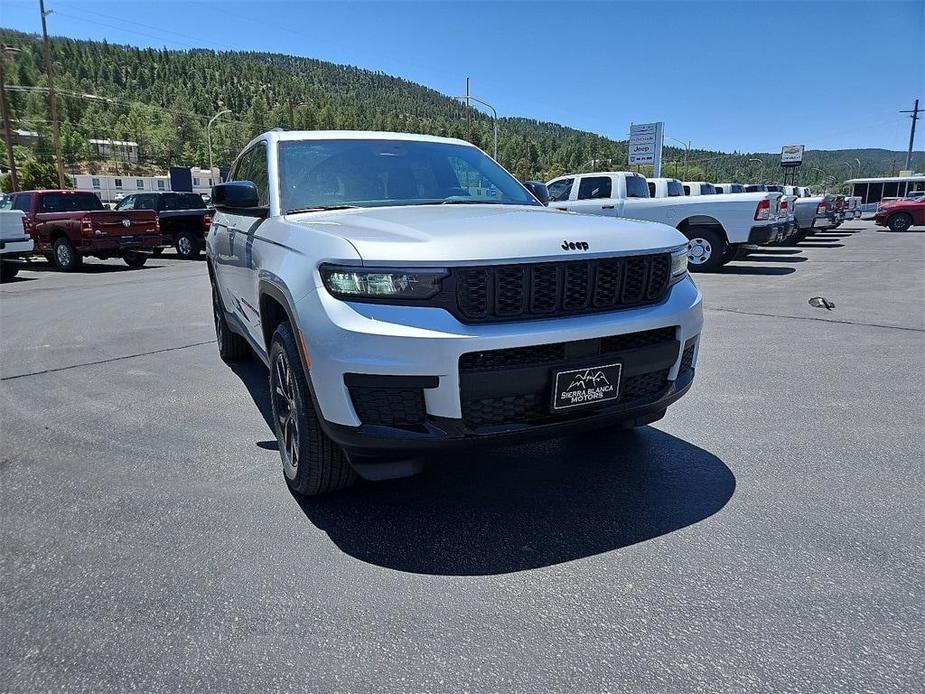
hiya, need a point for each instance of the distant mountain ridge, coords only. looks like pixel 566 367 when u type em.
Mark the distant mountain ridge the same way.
pixel 162 99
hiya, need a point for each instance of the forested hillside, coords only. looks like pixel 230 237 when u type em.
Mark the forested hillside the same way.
pixel 163 99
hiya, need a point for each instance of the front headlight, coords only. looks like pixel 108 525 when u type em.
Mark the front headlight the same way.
pixel 679 263
pixel 359 284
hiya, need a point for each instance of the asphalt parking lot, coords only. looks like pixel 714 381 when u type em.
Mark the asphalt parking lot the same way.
pixel 767 535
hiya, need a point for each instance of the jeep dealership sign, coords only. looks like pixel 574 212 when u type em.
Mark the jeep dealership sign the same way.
pixel 791 155
pixel 645 146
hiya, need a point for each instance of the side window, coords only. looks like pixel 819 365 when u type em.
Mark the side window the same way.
pixel 636 187
pixel 651 189
pixel 594 188
pixel 261 177
pixel 23 202
pixel 241 171
pixel 145 202
pixel 560 190
pixel 126 203
pixel 687 190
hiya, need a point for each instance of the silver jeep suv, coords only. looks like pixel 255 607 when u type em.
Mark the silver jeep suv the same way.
pixel 408 294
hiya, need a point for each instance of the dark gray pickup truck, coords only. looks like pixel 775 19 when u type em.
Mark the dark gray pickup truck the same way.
pixel 184 218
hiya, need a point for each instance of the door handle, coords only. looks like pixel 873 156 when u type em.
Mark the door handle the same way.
pixel 607 207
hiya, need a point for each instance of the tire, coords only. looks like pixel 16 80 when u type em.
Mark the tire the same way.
pixel 706 249
pixel 899 222
pixel 187 246
pixel 65 257
pixel 134 259
pixel 8 271
pixel 231 346
pixel 312 463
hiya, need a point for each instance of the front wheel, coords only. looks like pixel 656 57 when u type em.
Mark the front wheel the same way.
pixel 134 259
pixel 312 462
pixel 705 249
pixel 187 246
pixel 899 222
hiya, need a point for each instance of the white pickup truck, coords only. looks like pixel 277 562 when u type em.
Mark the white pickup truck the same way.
pixel 729 188
pixel 15 243
pixel 717 226
pixel 699 188
pixel 811 210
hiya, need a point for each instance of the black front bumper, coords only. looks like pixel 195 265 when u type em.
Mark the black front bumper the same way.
pixel 437 433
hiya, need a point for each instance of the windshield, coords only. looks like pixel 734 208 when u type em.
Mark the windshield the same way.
pixel 317 174
pixel 70 202
pixel 675 189
pixel 707 189
pixel 182 201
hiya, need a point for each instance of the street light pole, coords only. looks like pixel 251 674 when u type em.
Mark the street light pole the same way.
pixel 7 131
pixel 209 134
pixel 55 126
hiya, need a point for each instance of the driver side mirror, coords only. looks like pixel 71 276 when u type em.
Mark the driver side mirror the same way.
pixel 238 197
pixel 539 190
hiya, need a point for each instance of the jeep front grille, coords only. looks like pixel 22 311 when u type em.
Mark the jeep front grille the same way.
pixel 541 290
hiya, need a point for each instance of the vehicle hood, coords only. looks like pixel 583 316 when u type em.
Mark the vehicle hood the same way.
pixel 435 234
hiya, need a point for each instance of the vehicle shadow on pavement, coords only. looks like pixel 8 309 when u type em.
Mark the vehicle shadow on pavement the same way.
pixel 807 244
pixel 88 268
pixel 760 257
pixel 515 508
pixel 778 251
pixel 754 269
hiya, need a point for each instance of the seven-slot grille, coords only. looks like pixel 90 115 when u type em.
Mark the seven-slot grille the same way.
pixel 506 292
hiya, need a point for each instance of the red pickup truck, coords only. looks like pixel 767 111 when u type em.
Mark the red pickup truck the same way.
pixel 899 215
pixel 67 225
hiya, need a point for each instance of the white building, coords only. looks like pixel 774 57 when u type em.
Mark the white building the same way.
pixel 111 188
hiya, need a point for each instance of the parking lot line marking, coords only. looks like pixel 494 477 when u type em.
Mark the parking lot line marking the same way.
pixel 105 361
pixel 823 320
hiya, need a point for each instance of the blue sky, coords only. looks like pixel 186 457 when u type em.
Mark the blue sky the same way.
pixel 747 76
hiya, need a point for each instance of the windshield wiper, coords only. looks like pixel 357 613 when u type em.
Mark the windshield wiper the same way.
pixel 321 208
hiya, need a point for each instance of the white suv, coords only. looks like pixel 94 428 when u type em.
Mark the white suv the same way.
pixel 408 294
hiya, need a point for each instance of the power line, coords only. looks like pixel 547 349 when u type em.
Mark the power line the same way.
pixel 114 100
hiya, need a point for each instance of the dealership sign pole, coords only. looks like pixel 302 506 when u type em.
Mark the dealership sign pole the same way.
pixel 645 146
pixel 791 157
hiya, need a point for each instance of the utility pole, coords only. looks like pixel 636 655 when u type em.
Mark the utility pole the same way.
pixel 914 117
pixel 468 124
pixel 7 131
pixel 55 126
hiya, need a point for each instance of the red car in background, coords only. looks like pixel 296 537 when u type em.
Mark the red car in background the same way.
pixel 68 225
pixel 899 215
